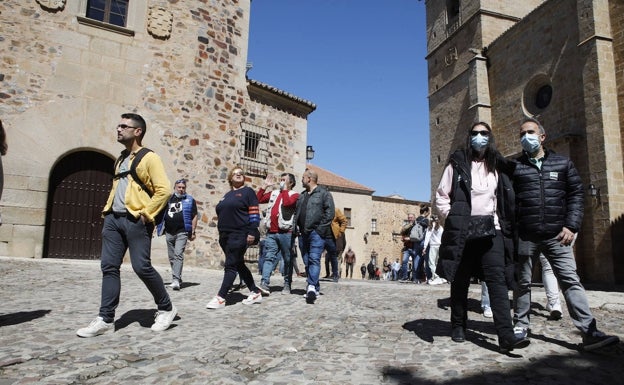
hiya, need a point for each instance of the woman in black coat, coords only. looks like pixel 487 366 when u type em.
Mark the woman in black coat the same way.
pixel 476 183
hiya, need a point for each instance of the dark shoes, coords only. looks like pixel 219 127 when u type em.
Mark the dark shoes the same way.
pixel 507 345
pixel 598 339
pixel 458 334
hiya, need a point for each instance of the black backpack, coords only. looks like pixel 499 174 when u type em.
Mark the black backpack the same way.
pixel 135 162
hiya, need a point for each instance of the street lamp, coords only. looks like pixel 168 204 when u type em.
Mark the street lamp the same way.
pixel 309 153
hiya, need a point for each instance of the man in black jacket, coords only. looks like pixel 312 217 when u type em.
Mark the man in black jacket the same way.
pixel 549 200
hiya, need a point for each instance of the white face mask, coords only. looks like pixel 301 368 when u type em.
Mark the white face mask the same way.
pixel 479 142
pixel 530 143
pixel 282 185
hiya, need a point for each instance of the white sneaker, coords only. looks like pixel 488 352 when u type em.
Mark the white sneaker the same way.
pixel 164 319
pixel 436 281
pixel 555 310
pixel 487 312
pixel 175 284
pixel 216 303
pixel 253 298
pixel 95 328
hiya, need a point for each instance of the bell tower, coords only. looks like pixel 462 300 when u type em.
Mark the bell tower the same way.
pixel 457 33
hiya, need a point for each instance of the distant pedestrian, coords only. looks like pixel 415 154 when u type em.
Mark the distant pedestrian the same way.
pixel 128 225
pixel 3 151
pixel 363 270
pixel 349 259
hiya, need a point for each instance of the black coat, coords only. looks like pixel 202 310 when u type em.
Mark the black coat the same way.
pixel 456 223
pixel 547 199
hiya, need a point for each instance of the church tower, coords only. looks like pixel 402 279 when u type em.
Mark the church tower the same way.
pixel 457 32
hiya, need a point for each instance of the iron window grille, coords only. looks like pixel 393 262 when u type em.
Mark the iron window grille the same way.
pixel 254 150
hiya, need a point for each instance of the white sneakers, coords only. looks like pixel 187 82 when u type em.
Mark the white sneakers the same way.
pixel 216 303
pixel 175 284
pixel 219 303
pixel 253 298
pixel 95 328
pixel 163 319
pixel 487 312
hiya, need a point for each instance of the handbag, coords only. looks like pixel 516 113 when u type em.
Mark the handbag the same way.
pixel 481 227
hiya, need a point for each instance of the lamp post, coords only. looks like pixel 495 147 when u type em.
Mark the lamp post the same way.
pixel 309 153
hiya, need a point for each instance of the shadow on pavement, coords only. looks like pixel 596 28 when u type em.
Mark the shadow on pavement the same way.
pixel 145 318
pixel 21 317
pixel 601 367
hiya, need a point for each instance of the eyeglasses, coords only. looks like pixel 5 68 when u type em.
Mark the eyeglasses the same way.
pixel 183 181
pixel 482 133
pixel 125 126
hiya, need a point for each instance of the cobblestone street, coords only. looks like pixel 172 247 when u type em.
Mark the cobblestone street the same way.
pixel 358 332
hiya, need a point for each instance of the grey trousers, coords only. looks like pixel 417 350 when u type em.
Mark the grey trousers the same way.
pixel 118 235
pixel 561 259
pixel 176 243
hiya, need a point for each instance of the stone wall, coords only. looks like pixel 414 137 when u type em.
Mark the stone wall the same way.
pixel 65 81
pixel 580 56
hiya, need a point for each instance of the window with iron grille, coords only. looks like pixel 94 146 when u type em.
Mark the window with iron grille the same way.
pixel 254 151
pixel 108 11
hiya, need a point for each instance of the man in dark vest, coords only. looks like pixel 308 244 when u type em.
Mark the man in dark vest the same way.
pixel 178 225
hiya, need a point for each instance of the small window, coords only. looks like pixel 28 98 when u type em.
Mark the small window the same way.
pixel 347 213
pixel 537 95
pixel 108 11
pixel 452 9
pixel 254 151
pixel 374 225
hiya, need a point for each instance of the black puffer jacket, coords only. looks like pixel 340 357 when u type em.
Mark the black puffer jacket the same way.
pixel 456 223
pixel 547 199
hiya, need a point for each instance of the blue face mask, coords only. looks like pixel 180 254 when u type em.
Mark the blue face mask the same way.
pixel 479 142
pixel 530 143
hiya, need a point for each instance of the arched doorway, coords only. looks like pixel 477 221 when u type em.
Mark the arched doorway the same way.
pixel 78 189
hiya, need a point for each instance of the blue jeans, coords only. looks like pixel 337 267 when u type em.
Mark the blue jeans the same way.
pixel 562 261
pixel 331 257
pixel 118 235
pixel 417 261
pixel 176 243
pixel 311 246
pixel 277 246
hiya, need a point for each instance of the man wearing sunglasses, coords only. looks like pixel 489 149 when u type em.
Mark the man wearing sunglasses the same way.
pixel 178 225
pixel 128 225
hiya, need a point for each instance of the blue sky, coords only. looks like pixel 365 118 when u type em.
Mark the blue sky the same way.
pixel 362 62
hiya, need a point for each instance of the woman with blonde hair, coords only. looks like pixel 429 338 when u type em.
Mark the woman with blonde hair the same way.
pixel 238 219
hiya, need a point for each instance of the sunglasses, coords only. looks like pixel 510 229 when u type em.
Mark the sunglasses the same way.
pixel 482 133
pixel 125 126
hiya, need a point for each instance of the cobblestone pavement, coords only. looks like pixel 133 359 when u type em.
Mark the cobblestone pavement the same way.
pixel 358 332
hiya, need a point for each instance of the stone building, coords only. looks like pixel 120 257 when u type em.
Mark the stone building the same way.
pixel 69 70
pixel 374 221
pixel 561 61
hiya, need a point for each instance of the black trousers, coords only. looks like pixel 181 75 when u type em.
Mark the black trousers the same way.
pixel 484 258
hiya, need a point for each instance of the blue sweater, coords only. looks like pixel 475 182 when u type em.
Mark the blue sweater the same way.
pixel 238 211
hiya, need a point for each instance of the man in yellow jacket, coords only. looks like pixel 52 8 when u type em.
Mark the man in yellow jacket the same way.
pixel 335 250
pixel 134 200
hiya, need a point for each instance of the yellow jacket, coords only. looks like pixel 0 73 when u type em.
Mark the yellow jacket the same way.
pixel 152 172
pixel 339 224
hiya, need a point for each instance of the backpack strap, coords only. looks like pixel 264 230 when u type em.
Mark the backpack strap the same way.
pixel 132 171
